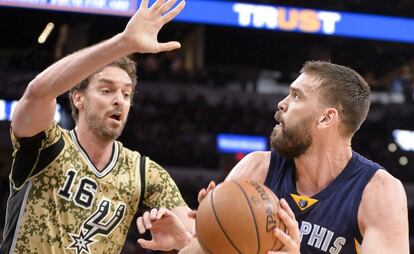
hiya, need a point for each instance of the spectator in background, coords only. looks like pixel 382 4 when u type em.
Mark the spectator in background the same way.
pixel 404 84
pixel 407 83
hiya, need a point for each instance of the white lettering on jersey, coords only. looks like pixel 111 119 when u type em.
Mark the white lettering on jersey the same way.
pixel 339 242
pixel 321 238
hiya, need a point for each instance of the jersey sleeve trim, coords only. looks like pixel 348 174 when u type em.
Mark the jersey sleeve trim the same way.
pixel 142 176
pixel 32 157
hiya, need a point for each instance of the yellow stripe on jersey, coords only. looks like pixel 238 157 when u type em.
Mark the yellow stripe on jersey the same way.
pixel 303 202
pixel 357 247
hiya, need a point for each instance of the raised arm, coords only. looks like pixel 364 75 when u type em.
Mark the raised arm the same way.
pixel 35 110
pixel 382 216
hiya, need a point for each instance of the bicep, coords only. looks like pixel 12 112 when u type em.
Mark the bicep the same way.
pixel 32 116
pixel 385 240
pixel 385 218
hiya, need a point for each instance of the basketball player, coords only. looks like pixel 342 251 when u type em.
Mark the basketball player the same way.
pixel 343 202
pixel 77 191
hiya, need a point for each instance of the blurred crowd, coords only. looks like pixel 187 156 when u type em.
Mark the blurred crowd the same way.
pixel 387 7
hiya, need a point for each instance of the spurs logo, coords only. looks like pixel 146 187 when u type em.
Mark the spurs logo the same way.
pixel 95 225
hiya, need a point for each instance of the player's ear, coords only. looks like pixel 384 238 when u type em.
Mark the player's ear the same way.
pixel 329 117
pixel 78 99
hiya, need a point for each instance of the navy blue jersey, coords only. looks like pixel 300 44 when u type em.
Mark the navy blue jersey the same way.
pixel 328 220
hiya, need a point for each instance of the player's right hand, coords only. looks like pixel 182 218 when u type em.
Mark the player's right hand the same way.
pixel 203 192
pixel 291 238
pixel 201 195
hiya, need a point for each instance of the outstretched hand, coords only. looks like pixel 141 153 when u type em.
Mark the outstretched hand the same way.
pixel 142 29
pixel 167 230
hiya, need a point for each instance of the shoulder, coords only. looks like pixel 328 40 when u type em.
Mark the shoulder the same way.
pixel 154 171
pixel 383 199
pixel 384 185
pixel 130 154
pixel 253 166
pixel 257 159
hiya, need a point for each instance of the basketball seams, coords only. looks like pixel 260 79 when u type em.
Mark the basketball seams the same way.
pixel 219 223
pixel 231 210
pixel 253 215
pixel 278 224
pixel 200 241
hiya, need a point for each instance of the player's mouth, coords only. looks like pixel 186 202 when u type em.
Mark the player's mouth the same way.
pixel 116 116
pixel 279 124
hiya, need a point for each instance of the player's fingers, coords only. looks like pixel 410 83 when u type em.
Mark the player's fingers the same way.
pixel 146 219
pixel 201 195
pixel 291 224
pixel 174 12
pixel 290 245
pixel 168 46
pixel 211 186
pixel 153 214
pixel 144 3
pixel 203 192
pixel 157 4
pixel 167 5
pixel 162 212
pixel 147 244
pixel 140 225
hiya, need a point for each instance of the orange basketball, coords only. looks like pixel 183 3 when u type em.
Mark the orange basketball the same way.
pixel 238 217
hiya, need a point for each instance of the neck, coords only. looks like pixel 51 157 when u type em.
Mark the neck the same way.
pixel 99 151
pixel 319 166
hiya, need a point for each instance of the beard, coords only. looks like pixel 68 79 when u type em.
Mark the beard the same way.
pixel 293 141
pixel 96 125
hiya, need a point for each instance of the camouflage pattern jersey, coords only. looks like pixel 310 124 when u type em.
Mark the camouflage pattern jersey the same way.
pixel 60 203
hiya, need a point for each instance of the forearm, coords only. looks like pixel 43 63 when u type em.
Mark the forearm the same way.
pixel 35 110
pixel 72 69
pixel 182 214
pixel 192 248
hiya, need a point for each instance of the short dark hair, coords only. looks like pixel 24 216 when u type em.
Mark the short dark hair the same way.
pixel 124 63
pixel 342 88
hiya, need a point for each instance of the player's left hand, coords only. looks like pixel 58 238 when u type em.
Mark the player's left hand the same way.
pixel 291 238
pixel 142 29
pixel 167 230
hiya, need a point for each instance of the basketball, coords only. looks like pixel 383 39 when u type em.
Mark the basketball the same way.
pixel 238 217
